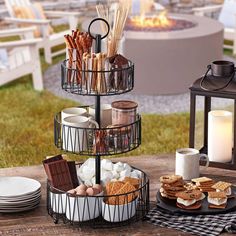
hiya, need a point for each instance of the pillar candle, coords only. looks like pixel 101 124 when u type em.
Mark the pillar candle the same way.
pixel 220 134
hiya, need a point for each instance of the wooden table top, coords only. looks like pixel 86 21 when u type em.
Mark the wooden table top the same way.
pixel 37 222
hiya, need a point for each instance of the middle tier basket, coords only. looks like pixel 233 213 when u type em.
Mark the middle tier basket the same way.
pixel 112 140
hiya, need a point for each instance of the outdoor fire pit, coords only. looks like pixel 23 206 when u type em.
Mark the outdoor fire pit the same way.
pixel 170 52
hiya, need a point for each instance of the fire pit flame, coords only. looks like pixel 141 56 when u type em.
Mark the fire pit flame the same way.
pixel 161 20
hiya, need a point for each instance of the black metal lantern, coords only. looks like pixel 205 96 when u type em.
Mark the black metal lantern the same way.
pixel 219 83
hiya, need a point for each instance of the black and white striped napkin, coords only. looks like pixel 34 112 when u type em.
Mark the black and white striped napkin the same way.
pixel 204 225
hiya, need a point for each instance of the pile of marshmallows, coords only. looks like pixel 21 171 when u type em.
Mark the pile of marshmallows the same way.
pixel 109 172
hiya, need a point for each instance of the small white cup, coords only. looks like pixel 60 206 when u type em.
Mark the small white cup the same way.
pixel 105 114
pixel 73 111
pixel 187 163
pixel 74 139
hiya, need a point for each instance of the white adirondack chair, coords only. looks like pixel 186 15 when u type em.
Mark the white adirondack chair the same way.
pixel 19 58
pixel 49 40
pixel 227 17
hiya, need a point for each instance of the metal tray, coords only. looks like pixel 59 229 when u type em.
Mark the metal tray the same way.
pixel 170 205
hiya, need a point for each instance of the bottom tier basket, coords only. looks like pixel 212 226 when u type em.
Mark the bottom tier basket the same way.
pixel 100 211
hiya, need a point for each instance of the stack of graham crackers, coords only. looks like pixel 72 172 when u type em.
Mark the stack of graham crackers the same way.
pixel 204 184
pixel 171 185
pixel 121 188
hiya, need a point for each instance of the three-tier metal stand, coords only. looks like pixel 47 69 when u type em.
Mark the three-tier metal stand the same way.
pixel 111 141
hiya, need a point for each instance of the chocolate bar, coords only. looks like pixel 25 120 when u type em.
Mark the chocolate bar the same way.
pixel 73 173
pixel 59 175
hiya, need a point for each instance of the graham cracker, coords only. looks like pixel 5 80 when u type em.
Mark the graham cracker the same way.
pixel 122 188
pixel 202 180
pixel 170 179
pixel 217 194
pixel 217 207
pixel 134 181
pixel 221 185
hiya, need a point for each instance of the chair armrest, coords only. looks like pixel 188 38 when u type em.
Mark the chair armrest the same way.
pixel 28 21
pixel 207 9
pixel 20 43
pixel 61 13
pixel 17 31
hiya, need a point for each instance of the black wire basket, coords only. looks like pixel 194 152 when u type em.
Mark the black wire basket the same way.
pixel 108 81
pixel 97 141
pixel 100 211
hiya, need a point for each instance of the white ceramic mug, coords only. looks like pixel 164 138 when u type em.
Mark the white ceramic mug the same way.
pixel 73 111
pixel 105 114
pixel 187 163
pixel 75 139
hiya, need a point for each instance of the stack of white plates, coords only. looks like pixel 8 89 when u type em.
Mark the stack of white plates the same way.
pixel 19 194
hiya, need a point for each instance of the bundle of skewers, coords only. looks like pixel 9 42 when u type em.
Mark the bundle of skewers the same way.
pixel 116 18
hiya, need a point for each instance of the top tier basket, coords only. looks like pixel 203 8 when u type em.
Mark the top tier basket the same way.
pixel 108 81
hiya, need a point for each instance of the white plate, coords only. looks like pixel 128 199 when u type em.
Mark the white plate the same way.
pixel 13 210
pixel 22 198
pixel 19 203
pixel 17 186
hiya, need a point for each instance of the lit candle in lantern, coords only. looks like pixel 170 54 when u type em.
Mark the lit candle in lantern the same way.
pixel 220 134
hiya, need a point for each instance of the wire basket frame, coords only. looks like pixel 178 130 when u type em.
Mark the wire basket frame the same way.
pixel 96 211
pixel 108 81
pixel 97 141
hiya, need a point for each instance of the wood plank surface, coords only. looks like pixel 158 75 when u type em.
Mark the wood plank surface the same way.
pixel 37 222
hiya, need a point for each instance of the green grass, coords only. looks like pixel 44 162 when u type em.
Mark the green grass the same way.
pixel 26 125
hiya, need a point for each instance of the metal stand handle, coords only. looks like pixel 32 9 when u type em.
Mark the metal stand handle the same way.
pixel 216 89
pixel 98 38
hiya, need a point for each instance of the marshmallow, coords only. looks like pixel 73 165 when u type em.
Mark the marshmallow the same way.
pixel 88 173
pixel 115 175
pixel 227 191
pixel 134 175
pixel 88 183
pixel 106 175
pixel 93 180
pixel 138 173
pixel 114 180
pixel 125 173
pixel 118 167
pixel 106 164
pixel 186 202
pixel 127 167
pixel 217 201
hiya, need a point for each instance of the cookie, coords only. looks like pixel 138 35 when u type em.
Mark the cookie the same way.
pixel 173 188
pixel 195 206
pixel 167 196
pixel 189 194
pixel 170 179
pixel 190 186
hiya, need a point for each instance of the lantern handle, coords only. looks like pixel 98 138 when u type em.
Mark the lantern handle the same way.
pixel 216 89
